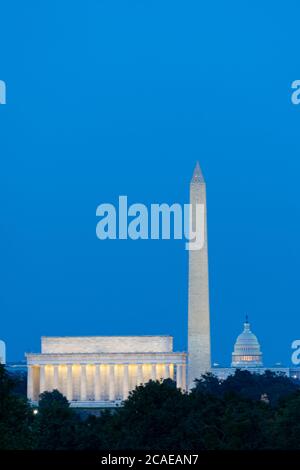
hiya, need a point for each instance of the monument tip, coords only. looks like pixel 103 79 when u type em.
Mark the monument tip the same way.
pixel 197 175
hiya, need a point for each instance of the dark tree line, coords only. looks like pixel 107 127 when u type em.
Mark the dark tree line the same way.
pixel 245 411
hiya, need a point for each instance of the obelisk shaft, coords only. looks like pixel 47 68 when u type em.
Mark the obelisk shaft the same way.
pixel 199 354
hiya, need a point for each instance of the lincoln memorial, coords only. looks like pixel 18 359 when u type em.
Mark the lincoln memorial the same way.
pixel 101 370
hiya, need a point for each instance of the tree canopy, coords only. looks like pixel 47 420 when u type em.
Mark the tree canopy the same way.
pixel 245 411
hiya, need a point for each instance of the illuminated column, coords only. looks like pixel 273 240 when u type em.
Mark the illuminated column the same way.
pixel 125 381
pixel 111 382
pixel 42 379
pixel 69 382
pixel 153 371
pixel 139 376
pixel 83 383
pixel 183 376
pixel 55 378
pixel 166 370
pixel 30 391
pixel 179 376
pixel 97 383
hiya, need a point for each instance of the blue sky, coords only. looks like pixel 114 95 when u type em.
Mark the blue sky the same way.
pixel 122 97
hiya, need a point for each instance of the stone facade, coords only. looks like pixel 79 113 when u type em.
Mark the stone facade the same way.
pixel 105 344
pixel 199 354
pixel 100 371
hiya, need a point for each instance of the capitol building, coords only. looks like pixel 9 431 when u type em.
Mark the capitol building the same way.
pixel 246 349
pixel 100 371
pixel 247 355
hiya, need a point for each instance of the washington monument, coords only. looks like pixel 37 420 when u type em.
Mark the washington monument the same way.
pixel 199 358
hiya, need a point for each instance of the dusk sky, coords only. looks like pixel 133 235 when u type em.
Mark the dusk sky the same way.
pixel 109 98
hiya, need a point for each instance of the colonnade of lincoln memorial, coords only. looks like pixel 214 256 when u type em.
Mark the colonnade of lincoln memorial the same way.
pixel 98 382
